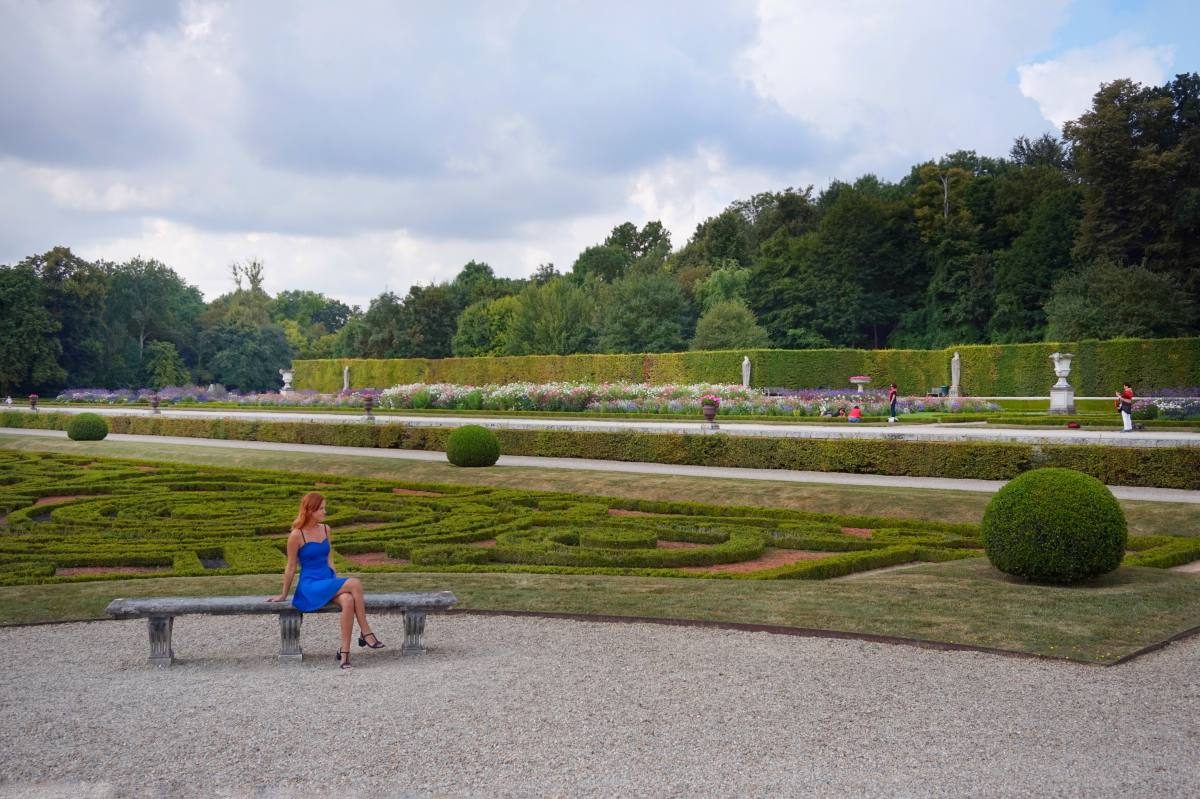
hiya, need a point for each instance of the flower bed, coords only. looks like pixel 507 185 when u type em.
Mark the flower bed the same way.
pixel 682 399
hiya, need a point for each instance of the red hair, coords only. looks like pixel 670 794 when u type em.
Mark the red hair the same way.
pixel 309 504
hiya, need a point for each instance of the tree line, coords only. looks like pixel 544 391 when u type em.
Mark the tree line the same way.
pixel 1092 235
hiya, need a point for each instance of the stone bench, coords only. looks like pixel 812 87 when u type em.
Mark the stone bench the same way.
pixel 160 612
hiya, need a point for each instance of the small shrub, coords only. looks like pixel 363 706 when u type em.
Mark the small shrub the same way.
pixel 1056 526
pixel 472 445
pixel 87 427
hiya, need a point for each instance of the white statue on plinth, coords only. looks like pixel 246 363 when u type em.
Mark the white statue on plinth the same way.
pixel 955 373
pixel 345 378
pixel 746 371
pixel 1062 395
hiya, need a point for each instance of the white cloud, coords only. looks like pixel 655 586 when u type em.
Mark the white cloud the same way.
pixel 1063 87
pixel 897 83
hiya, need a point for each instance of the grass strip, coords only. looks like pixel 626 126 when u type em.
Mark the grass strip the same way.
pixel 963 602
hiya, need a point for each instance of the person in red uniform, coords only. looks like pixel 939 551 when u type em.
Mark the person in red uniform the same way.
pixel 1125 405
pixel 856 414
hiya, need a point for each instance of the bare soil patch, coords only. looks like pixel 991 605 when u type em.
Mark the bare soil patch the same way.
pixel 858 532
pixel 68 571
pixel 412 492
pixel 57 500
pixel 486 543
pixel 375 559
pixel 768 560
pixel 678 545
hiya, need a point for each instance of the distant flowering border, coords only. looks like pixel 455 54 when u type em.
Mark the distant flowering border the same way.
pixel 646 398
pixel 185 395
pixel 603 398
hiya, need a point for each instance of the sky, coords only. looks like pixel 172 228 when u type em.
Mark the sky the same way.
pixel 362 147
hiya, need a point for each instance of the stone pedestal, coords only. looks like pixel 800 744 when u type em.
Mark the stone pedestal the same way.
pixel 160 627
pixel 289 636
pixel 1062 399
pixel 414 631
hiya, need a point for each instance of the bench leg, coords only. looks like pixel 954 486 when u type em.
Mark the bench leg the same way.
pixel 289 636
pixel 414 629
pixel 160 628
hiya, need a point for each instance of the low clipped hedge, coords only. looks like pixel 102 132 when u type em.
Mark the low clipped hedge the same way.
pixel 618 539
pixel 472 445
pixel 87 427
pixel 1054 526
pixel 1160 467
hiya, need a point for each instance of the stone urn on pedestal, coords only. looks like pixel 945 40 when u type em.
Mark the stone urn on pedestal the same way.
pixel 860 381
pixel 1062 395
pixel 708 407
pixel 287 375
pixel 33 398
pixel 154 400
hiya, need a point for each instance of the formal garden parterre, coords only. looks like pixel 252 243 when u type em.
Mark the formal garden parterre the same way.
pixel 71 518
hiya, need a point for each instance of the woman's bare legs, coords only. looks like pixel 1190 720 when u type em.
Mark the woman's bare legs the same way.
pixel 353 585
pixel 347 603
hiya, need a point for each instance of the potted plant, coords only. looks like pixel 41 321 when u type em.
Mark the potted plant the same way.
pixel 33 398
pixel 708 406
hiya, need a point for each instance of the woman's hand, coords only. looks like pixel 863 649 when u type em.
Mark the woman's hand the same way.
pixel 277 598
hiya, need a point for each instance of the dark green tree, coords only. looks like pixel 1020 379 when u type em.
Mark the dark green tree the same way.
pixel 244 357
pixel 605 262
pixel 483 327
pixel 551 319
pixel 1109 300
pixel 729 325
pixel 1137 151
pixel 645 312
pixel 29 344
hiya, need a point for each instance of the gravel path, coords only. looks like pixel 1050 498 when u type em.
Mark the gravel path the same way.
pixel 534 707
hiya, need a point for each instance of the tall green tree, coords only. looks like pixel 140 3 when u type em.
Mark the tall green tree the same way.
pixel 604 262
pixel 729 325
pixel 147 301
pixel 483 327
pixel 551 319
pixel 1137 151
pixel 29 344
pixel 73 292
pixel 645 312
pixel 1110 300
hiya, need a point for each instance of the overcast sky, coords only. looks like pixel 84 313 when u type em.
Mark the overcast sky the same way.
pixel 365 146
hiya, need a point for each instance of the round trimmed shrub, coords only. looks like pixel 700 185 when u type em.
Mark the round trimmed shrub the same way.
pixel 1054 526
pixel 472 445
pixel 87 427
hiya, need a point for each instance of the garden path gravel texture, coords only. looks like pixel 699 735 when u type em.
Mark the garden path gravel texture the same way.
pixel 519 706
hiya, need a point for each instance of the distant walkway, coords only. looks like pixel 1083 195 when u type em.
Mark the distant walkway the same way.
pixel 978 431
pixel 584 464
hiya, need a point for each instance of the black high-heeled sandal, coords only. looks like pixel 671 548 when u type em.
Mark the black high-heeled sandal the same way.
pixel 345 664
pixel 362 641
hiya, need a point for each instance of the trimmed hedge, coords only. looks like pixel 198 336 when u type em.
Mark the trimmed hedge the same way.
pixel 1160 467
pixel 87 427
pixel 472 445
pixel 1008 370
pixel 1055 526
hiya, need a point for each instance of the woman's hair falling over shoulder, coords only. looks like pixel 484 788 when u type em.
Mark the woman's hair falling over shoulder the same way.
pixel 308 506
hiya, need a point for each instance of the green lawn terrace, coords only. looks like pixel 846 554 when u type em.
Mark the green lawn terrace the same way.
pixel 72 518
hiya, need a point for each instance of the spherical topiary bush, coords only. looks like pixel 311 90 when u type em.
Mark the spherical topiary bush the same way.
pixel 87 427
pixel 472 445
pixel 1055 526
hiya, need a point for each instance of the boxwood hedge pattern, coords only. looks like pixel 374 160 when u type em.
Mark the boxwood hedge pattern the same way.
pixel 61 512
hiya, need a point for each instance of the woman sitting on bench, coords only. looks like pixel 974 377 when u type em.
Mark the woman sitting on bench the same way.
pixel 308 544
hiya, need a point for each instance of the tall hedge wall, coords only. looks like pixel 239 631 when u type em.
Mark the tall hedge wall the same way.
pixel 1000 370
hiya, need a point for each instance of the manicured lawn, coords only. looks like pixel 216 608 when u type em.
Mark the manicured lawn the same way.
pixel 963 602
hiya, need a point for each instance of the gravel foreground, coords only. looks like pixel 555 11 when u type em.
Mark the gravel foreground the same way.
pixel 542 707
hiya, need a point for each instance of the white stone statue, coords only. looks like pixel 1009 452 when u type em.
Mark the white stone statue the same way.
pixel 955 373
pixel 345 378
pixel 1062 395
pixel 287 375
pixel 746 371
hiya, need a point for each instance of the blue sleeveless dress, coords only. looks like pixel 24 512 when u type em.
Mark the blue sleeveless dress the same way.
pixel 318 583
